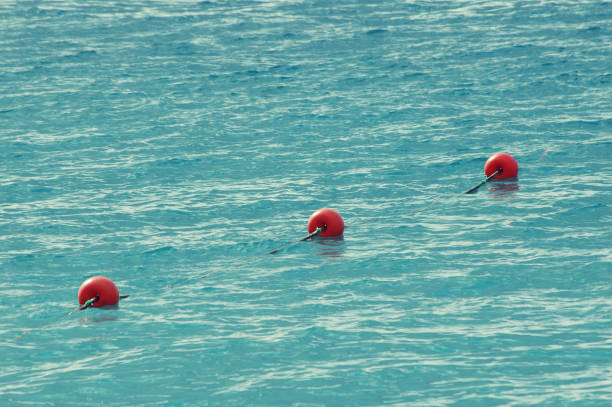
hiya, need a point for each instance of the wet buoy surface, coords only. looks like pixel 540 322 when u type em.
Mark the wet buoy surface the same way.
pixel 328 218
pixel 504 161
pixel 101 287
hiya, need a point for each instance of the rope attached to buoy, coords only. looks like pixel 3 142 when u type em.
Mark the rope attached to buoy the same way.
pixel 496 165
pixel 90 303
pixel 85 305
pixel 484 181
pixel 310 235
pixel 316 232
pixel 324 222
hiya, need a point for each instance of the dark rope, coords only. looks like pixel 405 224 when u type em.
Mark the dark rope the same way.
pixel 310 235
pixel 85 305
pixel 484 181
pixel 89 303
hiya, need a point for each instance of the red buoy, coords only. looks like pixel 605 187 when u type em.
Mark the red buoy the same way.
pixel 100 287
pixel 504 161
pixel 327 218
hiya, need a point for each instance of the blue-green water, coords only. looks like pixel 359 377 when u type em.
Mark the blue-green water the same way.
pixel 154 142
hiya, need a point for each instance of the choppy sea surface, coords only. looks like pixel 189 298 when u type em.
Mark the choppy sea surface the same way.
pixel 157 142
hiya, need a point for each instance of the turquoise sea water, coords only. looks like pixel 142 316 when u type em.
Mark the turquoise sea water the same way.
pixel 155 142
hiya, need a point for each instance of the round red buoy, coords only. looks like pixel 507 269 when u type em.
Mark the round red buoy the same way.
pixel 504 161
pixel 101 287
pixel 328 218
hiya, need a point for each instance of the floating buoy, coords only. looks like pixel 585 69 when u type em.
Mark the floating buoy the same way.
pixel 329 220
pixel 504 161
pixel 101 288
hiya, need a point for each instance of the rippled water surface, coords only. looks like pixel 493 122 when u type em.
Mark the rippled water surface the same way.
pixel 157 142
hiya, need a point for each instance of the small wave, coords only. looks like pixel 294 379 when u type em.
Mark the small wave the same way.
pixel 85 54
pixel 160 250
pixel 376 31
